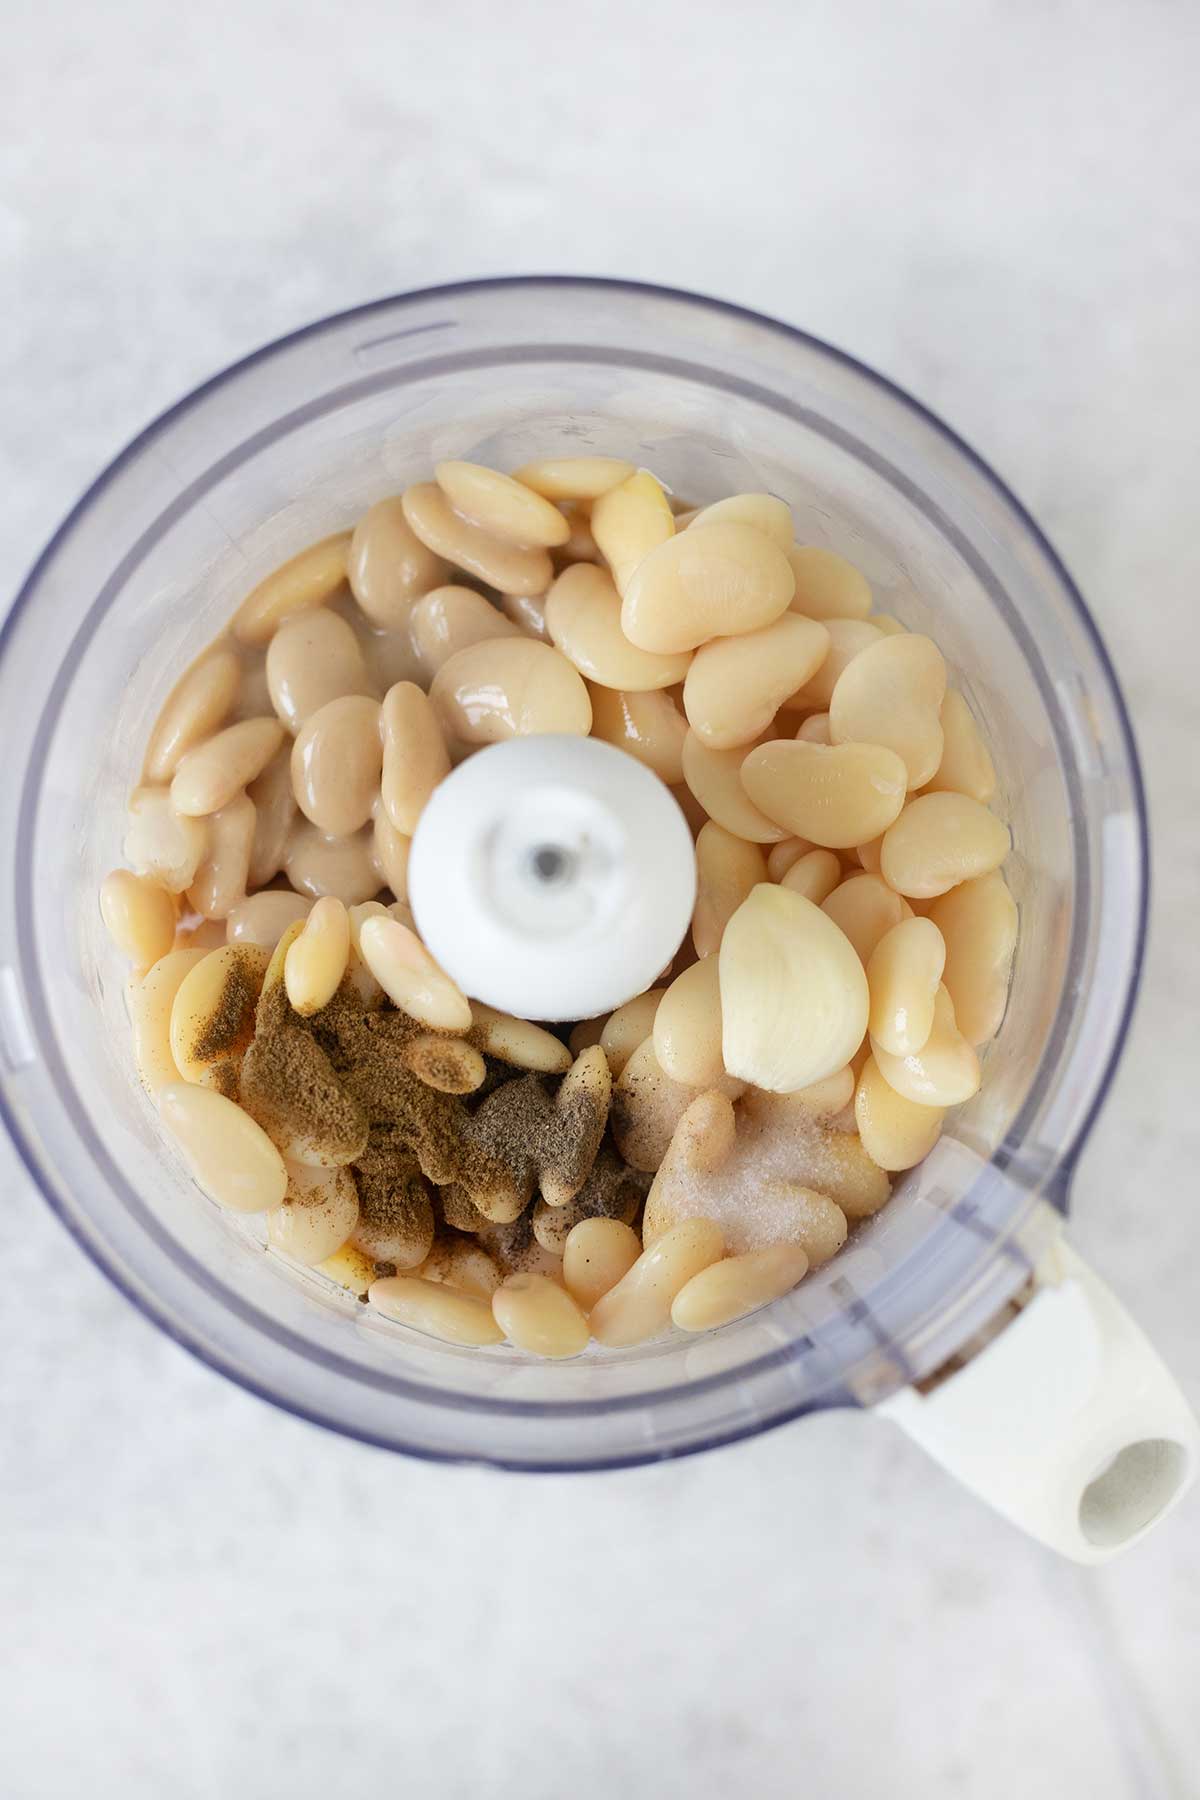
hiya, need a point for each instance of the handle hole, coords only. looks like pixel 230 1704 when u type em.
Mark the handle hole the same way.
pixel 1139 1483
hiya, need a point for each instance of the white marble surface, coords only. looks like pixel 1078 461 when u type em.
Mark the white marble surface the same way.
pixel 997 205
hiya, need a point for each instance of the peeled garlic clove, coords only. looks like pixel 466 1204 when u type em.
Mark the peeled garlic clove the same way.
pixel 836 797
pixel 794 995
pixel 891 694
pixel 944 1072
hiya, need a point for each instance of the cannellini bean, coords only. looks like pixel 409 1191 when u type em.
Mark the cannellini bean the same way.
pixel 506 508
pixel 388 566
pixel 230 1156
pixel 316 960
pixel 763 511
pixel 815 875
pixel 820 1100
pixel 710 581
pixel 513 688
pixel 220 881
pixel 715 778
pixel 944 1072
pixel 337 761
pixel 538 1315
pixel 848 638
pixel 896 1133
pixel 445 1063
pixel 351 1268
pixel 583 617
pixel 139 914
pixel 306 581
pixel 274 813
pixel 628 521
pixel 781 857
pixel 517 1041
pixel 149 1000
pixel 864 907
pixel 436 1309
pixel 891 693
pixel 639 1307
pixel 836 797
pixel 209 776
pixel 966 767
pixel 198 704
pixel 320 863
pixel 815 729
pixel 318 1214
pixel 597 1254
pixel 574 477
pixel 451 619
pixel 903 974
pixel 727 870
pixel 212 1016
pixel 687 1027
pixel 410 978
pixel 645 725
pixel 794 995
pixel 511 568
pixel 414 754
pixel 263 918
pixel 390 852
pixel 738 1285
pixel 754 1209
pixel 629 1026
pixel 163 845
pixel 648 1105
pixel 462 1265
pixel 736 685
pixel 978 922
pixel 313 658
pixel 827 586
pixel 528 612
pixel 938 841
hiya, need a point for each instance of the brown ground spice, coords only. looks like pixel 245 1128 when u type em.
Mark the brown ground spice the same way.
pixel 227 1030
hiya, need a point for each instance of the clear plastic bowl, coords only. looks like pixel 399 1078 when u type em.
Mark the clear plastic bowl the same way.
pixel 293 443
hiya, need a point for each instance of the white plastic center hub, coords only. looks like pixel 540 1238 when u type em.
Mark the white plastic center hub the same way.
pixel 552 877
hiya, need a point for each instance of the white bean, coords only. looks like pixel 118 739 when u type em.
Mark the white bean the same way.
pixel 709 581
pixel 388 566
pixel 198 703
pixel 313 658
pixel 308 580
pixel 337 761
pixel 230 1156
pixel 209 776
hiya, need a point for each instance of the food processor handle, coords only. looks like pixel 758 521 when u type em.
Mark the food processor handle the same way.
pixel 1067 1421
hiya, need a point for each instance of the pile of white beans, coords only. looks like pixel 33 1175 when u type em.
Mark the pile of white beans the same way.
pixel 852 939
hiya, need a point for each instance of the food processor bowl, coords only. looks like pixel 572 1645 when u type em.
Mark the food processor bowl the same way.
pixel 293 443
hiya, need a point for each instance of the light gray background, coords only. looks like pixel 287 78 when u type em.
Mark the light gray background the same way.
pixel 995 204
